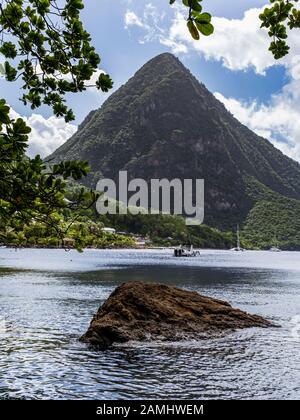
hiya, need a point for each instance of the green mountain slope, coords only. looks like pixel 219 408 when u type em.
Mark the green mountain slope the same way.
pixel 163 123
pixel 273 221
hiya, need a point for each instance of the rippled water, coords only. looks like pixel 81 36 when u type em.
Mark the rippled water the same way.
pixel 47 298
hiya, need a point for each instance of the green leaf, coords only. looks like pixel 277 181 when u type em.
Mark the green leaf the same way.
pixel 104 82
pixel 8 49
pixel 20 127
pixel 205 28
pixel 4 112
pixel 203 18
pixel 10 72
pixel 194 4
pixel 193 30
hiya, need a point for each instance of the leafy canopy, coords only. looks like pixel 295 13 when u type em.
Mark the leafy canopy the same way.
pixel 282 15
pixel 46 46
pixel 52 51
pixel 28 189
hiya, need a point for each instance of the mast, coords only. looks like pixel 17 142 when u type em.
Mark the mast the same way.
pixel 238 237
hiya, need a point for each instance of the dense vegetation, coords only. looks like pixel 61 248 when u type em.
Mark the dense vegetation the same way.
pixel 164 230
pixel 273 221
pixel 159 230
pixel 82 228
pixel 52 57
pixel 82 234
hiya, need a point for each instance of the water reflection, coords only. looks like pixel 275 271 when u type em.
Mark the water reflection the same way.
pixel 47 306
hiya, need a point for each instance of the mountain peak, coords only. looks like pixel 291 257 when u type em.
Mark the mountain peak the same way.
pixel 160 68
pixel 163 123
pixel 163 59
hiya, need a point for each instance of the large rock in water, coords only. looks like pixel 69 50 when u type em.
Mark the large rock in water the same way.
pixel 142 311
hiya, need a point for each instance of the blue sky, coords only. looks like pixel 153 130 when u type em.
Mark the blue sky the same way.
pixel 234 64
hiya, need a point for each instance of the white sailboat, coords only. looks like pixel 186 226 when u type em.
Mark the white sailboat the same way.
pixel 275 248
pixel 238 247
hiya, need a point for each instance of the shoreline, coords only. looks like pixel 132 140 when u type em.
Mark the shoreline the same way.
pixel 141 248
pixel 149 248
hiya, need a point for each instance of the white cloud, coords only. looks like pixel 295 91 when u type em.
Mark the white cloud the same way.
pixel 47 133
pixel 278 121
pixel 237 43
pixel 131 19
pixel 150 22
pixel 240 45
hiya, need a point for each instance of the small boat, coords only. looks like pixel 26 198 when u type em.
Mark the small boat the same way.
pixel 238 242
pixel 185 251
pixel 275 249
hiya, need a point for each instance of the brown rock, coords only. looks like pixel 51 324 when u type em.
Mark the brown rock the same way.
pixel 142 311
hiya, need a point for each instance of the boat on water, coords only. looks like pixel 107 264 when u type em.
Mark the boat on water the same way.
pixel 275 249
pixel 185 251
pixel 238 247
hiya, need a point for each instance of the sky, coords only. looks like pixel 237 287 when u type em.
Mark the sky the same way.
pixel 234 64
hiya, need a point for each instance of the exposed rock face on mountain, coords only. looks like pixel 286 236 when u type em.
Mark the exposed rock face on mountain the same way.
pixel 163 123
pixel 147 311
